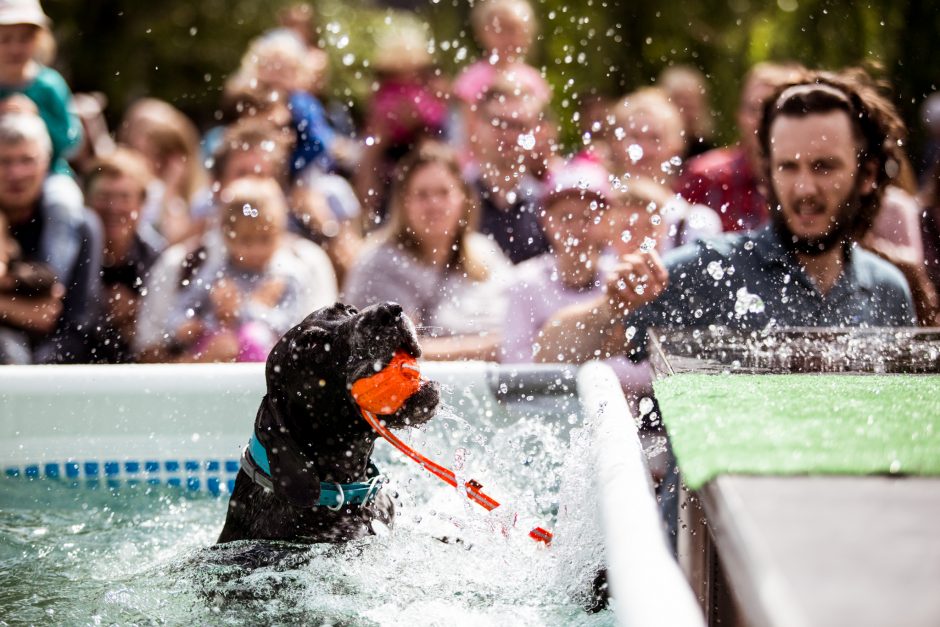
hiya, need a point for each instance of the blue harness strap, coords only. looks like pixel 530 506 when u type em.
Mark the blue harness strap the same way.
pixel 332 495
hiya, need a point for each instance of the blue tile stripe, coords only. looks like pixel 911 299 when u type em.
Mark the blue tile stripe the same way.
pixel 214 476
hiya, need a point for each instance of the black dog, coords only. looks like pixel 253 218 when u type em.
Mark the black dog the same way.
pixel 309 435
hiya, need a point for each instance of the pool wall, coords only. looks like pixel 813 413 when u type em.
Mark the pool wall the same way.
pixel 186 425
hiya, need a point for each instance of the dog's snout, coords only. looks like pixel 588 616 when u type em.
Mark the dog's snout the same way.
pixel 390 312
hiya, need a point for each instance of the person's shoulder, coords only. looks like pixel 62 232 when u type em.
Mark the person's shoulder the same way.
pixel 62 197
pixel 717 246
pixel 488 252
pixel 50 79
pixel 714 161
pixel 877 273
pixel 533 272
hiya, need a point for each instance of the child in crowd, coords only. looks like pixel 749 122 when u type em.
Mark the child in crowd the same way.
pixel 505 30
pixel 276 65
pixel 648 214
pixel 576 219
pixel 249 148
pixel 647 148
pixel 325 209
pixel 170 143
pixel 238 310
pixel 46 92
pixel 407 107
pixel 430 259
pixel 648 136
pixel 35 286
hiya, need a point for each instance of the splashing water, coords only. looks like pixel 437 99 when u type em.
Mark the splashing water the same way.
pixel 526 141
pixel 746 303
pixel 140 554
pixel 715 270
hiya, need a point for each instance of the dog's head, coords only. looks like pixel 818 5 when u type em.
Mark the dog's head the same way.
pixel 309 422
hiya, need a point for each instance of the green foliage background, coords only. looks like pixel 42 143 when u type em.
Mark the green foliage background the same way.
pixel 182 51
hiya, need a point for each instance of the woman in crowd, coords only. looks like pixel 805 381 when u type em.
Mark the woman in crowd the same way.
pixel 116 190
pixel 430 259
pixel 170 143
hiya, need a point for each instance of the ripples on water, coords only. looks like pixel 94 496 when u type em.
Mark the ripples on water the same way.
pixel 74 555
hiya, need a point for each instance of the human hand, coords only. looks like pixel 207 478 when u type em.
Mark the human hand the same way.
pixel 226 300
pixel 122 306
pixel 45 310
pixel 310 206
pixel 637 280
pixel 18 103
pixel 222 346
pixel 269 293
pixel 190 331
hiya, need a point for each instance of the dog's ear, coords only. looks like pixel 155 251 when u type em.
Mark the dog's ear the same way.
pixel 293 474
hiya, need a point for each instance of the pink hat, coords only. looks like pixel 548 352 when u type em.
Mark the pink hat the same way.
pixel 581 176
pixel 22 12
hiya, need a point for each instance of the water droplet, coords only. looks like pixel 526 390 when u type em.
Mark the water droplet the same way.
pixel 635 152
pixel 715 270
pixel 526 141
pixel 746 303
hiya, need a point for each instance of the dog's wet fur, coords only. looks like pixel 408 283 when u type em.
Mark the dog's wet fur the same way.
pixel 313 431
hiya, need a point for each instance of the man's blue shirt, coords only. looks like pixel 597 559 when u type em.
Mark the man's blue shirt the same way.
pixel 752 281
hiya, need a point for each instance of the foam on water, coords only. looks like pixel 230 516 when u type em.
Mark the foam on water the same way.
pixel 74 555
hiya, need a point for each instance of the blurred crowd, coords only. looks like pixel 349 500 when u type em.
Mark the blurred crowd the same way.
pixel 160 241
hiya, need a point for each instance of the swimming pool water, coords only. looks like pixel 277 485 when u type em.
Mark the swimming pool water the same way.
pixel 71 554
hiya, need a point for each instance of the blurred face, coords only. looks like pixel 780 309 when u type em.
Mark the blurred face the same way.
pixel 503 130
pixel 252 242
pixel 17 45
pixel 690 101
pixel 117 200
pixel 658 142
pixel 434 203
pixel 755 94
pixel 814 176
pixel 507 34
pixel 577 227
pixel 253 162
pixel 632 223
pixel 279 71
pixel 23 168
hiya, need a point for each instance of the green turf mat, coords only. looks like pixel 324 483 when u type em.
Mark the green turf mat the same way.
pixel 802 424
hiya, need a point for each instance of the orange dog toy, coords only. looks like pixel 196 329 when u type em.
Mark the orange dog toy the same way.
pixel 384 393
pixel 387 390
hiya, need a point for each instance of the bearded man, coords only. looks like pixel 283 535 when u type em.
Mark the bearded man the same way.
pixel 829 145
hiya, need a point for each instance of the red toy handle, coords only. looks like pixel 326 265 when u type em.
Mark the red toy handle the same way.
pixel 473 489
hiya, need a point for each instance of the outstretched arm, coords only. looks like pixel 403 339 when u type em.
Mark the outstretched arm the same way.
pixel 593 329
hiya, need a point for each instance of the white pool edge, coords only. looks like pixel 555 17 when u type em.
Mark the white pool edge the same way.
pixel 643 575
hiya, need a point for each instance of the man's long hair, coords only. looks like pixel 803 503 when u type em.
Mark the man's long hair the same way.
pixel 875 123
